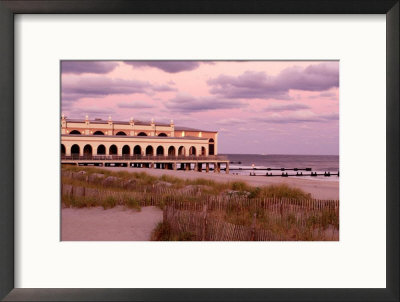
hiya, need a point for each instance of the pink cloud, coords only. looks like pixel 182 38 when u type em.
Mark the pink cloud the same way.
pixel 265 99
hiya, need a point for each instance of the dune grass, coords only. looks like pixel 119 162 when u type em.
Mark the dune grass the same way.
pixel 106 203
pixel 163 232
pixel 205 186
pixel 285 225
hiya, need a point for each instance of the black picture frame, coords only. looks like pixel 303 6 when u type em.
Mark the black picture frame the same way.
pixel 7 129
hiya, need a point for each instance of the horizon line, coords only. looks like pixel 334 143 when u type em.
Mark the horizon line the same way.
pixel 223 153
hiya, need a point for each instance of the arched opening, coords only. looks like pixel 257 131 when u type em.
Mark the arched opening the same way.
pixel 75 150
pixel 101 150
pixel 121 133
pixel 171 151
pixel 149 150
pixel 75 132
pixel 87 150
pixel 126 150
pixel 192 151
pixel 203 151
pixel 98 133
pixel 137 150
pixel 160 150
pixel 113 150
pixel 62 149
pixel 162 134
pixel 181 150
pixel 211 146
pixel 142 134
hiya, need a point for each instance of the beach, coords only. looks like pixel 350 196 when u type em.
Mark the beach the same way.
pixel 116 224
pixel 319 189
pixel 105 220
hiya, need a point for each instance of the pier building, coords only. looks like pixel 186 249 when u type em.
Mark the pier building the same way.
pixel 139 144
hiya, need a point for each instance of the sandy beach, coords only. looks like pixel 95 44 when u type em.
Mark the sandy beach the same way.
pixel 319 189
pixel 116 224
pixel 125 224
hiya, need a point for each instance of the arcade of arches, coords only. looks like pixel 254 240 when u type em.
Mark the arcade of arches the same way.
pixel 109 143
pixel 88 149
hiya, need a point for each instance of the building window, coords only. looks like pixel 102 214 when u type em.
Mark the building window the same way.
pixel 211 146
pixel 87 150
pixel 75 150
pixel 113 150
pixel 137 150
pixel 192 150
pixel 171 151
pixel 160 150
pixel 101 150
pixel 126 150
pixel 149 150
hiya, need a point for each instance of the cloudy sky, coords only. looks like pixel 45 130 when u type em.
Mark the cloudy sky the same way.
pixel 258 107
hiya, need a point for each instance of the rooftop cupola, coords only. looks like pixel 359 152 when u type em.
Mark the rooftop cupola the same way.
pixel 110 120
pixel 131 122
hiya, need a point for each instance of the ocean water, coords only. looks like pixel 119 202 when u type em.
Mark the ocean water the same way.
pixel 317 163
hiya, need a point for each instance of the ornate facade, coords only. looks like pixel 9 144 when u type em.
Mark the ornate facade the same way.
pixel 101 137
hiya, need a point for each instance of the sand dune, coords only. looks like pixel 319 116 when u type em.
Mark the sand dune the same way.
pixel 123 224
pixel 320 189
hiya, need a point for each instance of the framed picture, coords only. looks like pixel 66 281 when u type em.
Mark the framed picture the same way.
pixel 237 134
pixel 131 179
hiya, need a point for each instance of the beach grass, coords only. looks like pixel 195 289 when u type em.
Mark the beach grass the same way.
pixel 205 186
pixel 163 232
pixel 285 225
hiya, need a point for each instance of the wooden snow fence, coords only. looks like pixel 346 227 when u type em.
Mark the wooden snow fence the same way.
pixel 274 206
pixel 277 206
pixel 200 219
pixel 197 219
pixel 200 226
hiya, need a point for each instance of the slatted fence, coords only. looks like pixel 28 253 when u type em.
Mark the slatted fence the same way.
pixel 201 226
pixel 203 218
